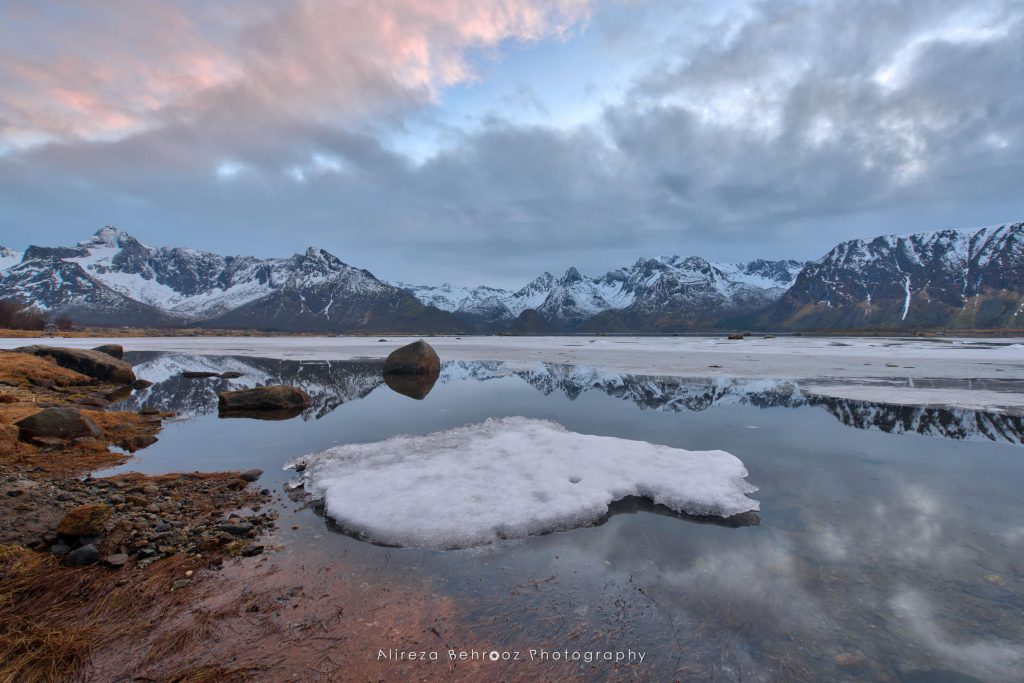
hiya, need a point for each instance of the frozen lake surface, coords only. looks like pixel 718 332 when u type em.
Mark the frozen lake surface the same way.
pixel 890 541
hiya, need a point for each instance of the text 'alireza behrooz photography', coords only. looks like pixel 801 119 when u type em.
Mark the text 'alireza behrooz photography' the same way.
pixel 511 340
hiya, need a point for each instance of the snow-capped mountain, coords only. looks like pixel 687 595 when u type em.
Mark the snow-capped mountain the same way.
pixel 8 258
pixel 950 278
pixel 112 278
pixel 670 292
pixel 954 278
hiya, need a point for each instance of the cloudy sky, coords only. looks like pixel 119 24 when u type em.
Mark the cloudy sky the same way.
pixel 487 140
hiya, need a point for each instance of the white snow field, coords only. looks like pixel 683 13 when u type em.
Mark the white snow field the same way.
pixel 858 361
pixel 510 478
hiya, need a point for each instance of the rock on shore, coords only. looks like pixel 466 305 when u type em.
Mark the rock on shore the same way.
pixel 95 364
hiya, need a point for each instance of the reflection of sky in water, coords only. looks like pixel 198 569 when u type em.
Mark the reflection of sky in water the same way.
pixel 898 554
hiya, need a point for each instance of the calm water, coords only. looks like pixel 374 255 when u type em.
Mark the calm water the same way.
pixel 891 545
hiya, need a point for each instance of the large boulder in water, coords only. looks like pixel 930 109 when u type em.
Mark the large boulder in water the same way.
pixel 95 364
pixel 59 423
pixel 274 402
pixel 113 350
pixel 418 358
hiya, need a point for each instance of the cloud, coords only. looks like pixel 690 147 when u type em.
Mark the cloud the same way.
pixel 762 129
pixel 118 67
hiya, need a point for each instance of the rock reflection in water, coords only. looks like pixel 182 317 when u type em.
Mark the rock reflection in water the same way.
pixel 331 384
pixel 413 386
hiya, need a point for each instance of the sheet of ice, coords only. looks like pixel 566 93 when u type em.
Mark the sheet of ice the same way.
pixel 856 360
pixel 973 399
pixel 510 478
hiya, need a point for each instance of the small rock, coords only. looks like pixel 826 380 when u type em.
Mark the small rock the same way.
pixel 240 529
pixel 60 549
pixel 61 423
pixel 113 350
pixel 148 410
pixel 198 374
pixel 115 561
pixel 230 374
pixel 251 475
pixel 252 550
pixel 85 520
pixel 995 579
pixel 209 543
pixel 42 383
pixel 140 384
pixel 180 583
pixel 736 337
pixel 137 443
pixel 84 556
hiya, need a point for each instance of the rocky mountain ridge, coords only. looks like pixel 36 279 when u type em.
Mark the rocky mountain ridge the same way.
pixel 949 278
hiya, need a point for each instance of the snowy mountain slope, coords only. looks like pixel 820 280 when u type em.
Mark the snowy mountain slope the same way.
pixel 60 287
pixel 112 278
pixel 957 278
pixel 9 257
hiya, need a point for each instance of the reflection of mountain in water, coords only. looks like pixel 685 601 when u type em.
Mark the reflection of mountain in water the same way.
pixel 333 383
pixel 328 383
pixel 672 394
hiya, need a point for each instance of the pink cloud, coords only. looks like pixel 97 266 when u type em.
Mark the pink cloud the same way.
pixel 122 66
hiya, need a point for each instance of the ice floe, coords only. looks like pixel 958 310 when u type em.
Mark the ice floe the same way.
pixel 509 478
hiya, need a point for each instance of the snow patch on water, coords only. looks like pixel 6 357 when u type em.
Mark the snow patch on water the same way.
pixel 510 478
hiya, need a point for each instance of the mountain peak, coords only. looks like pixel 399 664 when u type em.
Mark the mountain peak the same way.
pixel 571 275
pixel 108 235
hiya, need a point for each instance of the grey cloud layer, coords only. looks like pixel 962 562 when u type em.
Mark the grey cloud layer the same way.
pixel 802 124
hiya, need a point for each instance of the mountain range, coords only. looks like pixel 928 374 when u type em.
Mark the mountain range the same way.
pixel 950 278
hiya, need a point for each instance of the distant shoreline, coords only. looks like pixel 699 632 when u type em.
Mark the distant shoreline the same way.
pixel 119 332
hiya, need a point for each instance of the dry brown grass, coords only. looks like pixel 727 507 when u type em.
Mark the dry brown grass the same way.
pixel 76 458
pixel 19 401
pixel 16 368
pixel 52 619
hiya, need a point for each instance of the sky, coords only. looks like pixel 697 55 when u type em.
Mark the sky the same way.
pixel 475 141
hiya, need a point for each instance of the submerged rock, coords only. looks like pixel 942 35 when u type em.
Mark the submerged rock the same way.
pixel 57 423
pixel 137 443
pixel 114 350
pixel 199 374
pixel 273 402
pixel 95 364
pixel 418 358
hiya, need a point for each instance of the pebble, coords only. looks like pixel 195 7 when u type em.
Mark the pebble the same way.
pixel 84 556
